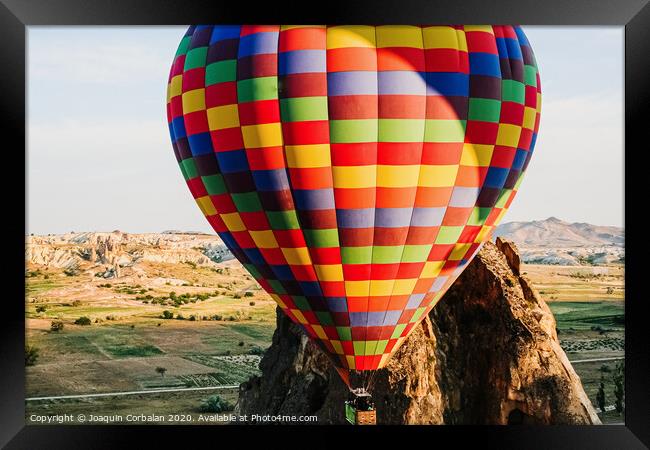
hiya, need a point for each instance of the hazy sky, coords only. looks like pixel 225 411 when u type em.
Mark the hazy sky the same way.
pixel 99 155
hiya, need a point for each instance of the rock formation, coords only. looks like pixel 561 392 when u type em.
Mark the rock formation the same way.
pixel 109 250
pixel 488 353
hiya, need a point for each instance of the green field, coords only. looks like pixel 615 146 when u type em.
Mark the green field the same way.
pixel 608 315
pixel 222 323
pixel 106 358
pixel 592 332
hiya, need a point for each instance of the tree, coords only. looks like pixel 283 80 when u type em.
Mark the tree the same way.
pixel 83 320
pixel 167 314
pixel 31 354
pixel 600 396
pixel 161 371
pixel 56 325
pixel 215 404
pixel 619 386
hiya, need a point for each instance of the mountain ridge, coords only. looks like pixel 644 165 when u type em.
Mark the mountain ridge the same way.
pixel 555 241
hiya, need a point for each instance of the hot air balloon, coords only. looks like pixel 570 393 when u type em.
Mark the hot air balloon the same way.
pixel 354 171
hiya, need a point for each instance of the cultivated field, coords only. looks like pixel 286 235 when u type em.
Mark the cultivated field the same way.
pixel 577 283
pixel 176 326
pixel 587 302
pixel 182 326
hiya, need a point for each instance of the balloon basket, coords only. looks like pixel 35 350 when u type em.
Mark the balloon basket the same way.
pixel 360 409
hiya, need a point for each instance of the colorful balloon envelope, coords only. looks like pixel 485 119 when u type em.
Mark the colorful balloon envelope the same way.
pixel 354 170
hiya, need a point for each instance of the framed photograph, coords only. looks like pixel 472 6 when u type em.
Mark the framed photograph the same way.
pixel 417 216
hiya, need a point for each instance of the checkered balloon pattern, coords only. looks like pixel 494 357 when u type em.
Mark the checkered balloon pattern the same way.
pixel 354 170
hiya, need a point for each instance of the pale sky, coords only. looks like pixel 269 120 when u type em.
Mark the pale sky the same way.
pixel 99 155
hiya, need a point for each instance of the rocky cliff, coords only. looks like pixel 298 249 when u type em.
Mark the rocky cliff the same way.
pixel 488 353
pixel 80 251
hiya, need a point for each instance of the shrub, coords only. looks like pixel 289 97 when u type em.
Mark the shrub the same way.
pixel 180 317
pixel 236 296
pixel 76 303
pixel 41 308
pixel 241 343
pixel 31 355
pixel 215 404
pixel 252 303
pixel 192 318
pixel 256 351
pixel 619 387
pixel 161 371
pixel 83 320
pixel 56 325
pixel 248 294
pixel 217 317
pixel 166 314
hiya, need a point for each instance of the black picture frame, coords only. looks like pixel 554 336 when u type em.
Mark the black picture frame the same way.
pixel 16 15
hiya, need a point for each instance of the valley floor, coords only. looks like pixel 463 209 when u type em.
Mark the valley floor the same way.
pixel 588 305
pixel 218 324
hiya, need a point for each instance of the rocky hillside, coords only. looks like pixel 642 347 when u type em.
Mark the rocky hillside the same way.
pixel 116 250
pixel 554 241
pixel 488 353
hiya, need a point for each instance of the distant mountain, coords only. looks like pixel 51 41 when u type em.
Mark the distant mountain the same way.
pixel 554 232
pixel 555 241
